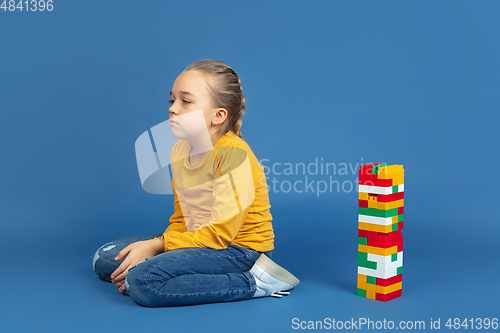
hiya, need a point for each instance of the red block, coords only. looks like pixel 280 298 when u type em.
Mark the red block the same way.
pixel 383 240
pixel 366 170
pixel 367 178
pixel 390 197
pixel 363 203
pixel 374 181
pixel 385 244
pixel 379 235
pixel 390 281
pixel 388 297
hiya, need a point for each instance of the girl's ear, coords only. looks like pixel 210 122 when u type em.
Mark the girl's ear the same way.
pixel 221 115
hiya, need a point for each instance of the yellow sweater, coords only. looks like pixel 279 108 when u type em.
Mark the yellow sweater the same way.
pixel 222 200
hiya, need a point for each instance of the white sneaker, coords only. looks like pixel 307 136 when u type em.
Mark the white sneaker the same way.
pixel 272 279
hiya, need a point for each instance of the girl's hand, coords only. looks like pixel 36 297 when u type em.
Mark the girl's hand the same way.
pixel 137 252
pixel 121 287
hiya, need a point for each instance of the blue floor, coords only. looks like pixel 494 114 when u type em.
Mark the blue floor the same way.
pixel 49 284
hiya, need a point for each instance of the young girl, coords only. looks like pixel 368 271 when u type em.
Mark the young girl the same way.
pixel 218 245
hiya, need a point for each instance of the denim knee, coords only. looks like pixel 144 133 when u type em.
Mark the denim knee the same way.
pixel 136 286
pixel 103 261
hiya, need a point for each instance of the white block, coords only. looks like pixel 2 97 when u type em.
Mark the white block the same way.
pixel 379 189
pixel 385 259
pixel 388 265
pixel 375 220
pixel 378 273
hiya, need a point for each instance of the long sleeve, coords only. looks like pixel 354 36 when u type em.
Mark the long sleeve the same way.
pixel 232 196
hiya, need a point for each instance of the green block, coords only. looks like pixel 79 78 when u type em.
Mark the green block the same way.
pixel 400 217
pixel 362 259
pixel 363 240
pixel 395 189
pixel 378 212
pixel 367 264
pixel 371 264
pixel 400 270
pixel 371 280
pixel 394 226
pixel 394 257
pixel 361 292
pixel 376 167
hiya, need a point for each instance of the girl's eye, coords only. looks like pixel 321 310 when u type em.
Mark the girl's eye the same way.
pixel 172 101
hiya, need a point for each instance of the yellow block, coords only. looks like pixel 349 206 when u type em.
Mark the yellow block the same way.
pixel 370 294
pixel 389 205
pixel 377 250
pixel 389 171
pixel 371 287
pixel 394 172
pixel 373 203
pixel 400 180
pixel 363 196
pixel 374 227
pixel 389 289
pixel 361 281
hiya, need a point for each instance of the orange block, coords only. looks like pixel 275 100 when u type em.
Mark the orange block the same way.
pixel 389 289
pixel 375 227
pixel 362 281
pixel 377 250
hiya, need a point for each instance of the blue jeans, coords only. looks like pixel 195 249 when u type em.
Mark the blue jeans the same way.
pixel 183 276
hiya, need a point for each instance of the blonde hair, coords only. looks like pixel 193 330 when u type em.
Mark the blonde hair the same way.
pixel 225 90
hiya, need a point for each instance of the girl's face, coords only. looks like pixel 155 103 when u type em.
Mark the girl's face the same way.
pixel 191 112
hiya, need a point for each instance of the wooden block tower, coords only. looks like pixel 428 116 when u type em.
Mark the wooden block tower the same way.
pixel 380 242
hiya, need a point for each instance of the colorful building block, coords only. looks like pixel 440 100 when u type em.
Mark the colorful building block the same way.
pixel 390 272
pixel 377 220
pixel 372 202
pixel 389 281
pixel 388 297
pixel 380 228
pixel 383 190
pixel 380 241
pixel 377 250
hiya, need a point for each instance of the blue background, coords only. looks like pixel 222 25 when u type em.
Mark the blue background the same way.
pixel 400 82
